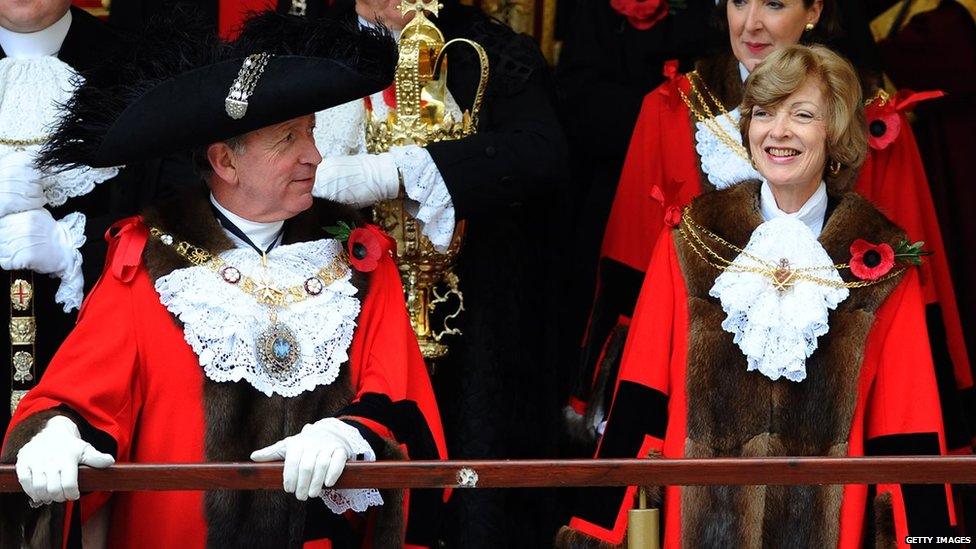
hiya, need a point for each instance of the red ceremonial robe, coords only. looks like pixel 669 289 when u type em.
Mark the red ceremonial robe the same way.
pixel 137 390
pixel 683 391
pixel 662 173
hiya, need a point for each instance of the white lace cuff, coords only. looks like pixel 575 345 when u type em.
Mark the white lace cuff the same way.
pixel 60 186
pixel 425 186
pixel 72 288
pixel 356 499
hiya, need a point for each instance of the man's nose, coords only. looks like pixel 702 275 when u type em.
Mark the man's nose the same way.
pixel 311 154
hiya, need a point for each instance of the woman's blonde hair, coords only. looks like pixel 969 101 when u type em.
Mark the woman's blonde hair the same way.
pixel 784 72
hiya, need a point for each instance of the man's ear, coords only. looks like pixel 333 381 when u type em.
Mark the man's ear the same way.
pixel 223 161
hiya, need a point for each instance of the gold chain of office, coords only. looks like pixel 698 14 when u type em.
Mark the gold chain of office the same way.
pixel 262 291
pixel 781 274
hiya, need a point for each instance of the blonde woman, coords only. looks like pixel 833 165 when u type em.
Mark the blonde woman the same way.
pixel 780 317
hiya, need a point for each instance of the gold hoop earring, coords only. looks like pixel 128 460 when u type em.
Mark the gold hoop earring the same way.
pixel 809 27
pixel 834 167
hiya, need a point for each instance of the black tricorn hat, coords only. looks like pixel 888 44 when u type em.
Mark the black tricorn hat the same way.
pixel 177 87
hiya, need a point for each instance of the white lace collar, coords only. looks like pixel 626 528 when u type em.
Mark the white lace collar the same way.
pixel 812 212
pixel 743 71
pixel 31 91
pixel 224 326
pixel 722 165
pixel 36 44
pixel 778 330
pixel 262 234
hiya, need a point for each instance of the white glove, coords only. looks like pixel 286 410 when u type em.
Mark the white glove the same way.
pixel 47 466
pixel 20 184
pixel 315 457
pixel 34 241
pixel 361 180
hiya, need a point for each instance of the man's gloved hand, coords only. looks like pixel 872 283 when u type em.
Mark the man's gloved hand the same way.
pixel 47 466
pixel 360 180
pixel 34 241
pixel 20 184
pixel 314 458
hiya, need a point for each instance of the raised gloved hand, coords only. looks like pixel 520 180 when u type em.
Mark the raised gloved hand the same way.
pixel 20 184
pixel 360 180
pixel 315 457
pixel 47 466
pixel 34 241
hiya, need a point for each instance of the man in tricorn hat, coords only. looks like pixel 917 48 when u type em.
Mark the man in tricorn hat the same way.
pixel 228 325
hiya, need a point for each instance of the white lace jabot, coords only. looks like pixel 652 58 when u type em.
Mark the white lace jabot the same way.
pixel 778 330
pixel 222 324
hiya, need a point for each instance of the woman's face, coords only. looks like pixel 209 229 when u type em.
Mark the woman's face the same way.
pixel 788 141
pixel 758 27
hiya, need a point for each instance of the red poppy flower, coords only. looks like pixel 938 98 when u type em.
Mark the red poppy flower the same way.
pixel 641 14
pixel 871 261
pixel 884 115
pixel 366 245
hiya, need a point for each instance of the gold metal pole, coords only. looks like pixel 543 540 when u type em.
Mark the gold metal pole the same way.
pixel 643 525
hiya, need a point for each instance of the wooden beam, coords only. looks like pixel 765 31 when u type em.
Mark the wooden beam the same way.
pixel 536 473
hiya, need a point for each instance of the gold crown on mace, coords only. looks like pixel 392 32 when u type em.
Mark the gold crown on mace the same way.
pixel 420 116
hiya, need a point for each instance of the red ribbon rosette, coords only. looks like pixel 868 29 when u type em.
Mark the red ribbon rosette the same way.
pixel 366 245
pixel 666 194
pixel 884 115
pixel 641 14
pixel 871 261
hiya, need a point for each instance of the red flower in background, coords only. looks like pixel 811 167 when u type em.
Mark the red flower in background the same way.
pixel 884 115
pixel 366 245
pixel 641 14
pixel 871 261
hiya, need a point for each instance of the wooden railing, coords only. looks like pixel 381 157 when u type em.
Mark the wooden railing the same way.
pixel 536 473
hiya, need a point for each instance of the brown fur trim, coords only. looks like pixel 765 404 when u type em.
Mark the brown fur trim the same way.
pixel 884 522
pixel 239 420
pixel 567 538
pixel 390 517
pixel 720 73
pixel 739 413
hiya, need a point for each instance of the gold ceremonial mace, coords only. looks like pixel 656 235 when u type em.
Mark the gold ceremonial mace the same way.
pixel 420 118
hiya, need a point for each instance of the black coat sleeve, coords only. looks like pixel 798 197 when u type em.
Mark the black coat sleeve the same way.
pixel 519 151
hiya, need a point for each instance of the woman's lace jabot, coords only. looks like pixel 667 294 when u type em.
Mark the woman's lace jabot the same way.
pixel 33 90
pixel 778 330
pixel 723 166
pixel 223 325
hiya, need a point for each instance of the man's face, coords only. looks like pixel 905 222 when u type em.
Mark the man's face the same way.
pixel 276 170
pixel 31 15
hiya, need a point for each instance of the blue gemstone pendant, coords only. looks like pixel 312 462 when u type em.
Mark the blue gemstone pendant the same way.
pixel 277 350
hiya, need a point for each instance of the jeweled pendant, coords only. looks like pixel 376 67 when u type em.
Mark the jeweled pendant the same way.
pixel 278 350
